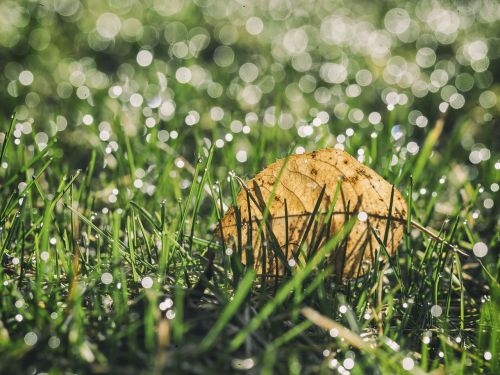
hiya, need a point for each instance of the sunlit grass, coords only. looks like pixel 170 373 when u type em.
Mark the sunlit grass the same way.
pixel 134 283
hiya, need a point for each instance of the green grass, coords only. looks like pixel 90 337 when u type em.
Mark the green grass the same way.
pixel 109 202
pixel 58 239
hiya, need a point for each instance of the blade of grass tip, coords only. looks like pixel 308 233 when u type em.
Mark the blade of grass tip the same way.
pixel 329 214
pixel 66 253
pixel 239 242
pixel 131 235
pixel 321 231
pixel 232 185
pixel 147 240
pixel 386 147
pixel 394 263
pixel 13 231
pixel 270 201
pixel 7 137
pixel 199 193
pixel 411 257
pixel 4 209
pixel 373 147
pixel 436 237
pixel 184 211
pixel 458 265
pixel 425 153
pixel 442 256
pixel 130 155
pixel 213 195
pixel 488 273
pixel 151 220
pixel 389 217
pixel 119 295
pixel 431 204
pixel 409 206
pixel 342 248
pixel 441 266
pixel 219 211
pixel 230 309
pixel 310 222
pixel 295 282
pixel 163 214
pixel 165 254
pixel 263 262
pixel 12 201
pixel 248 248
pixel 287 234
pixel 430 248
pixel 23 249
pixel 235 261
pixel 39 190
pixel 73 242
pixel 221 206
pixel 455 279
pixel 86 187
pixel 26 167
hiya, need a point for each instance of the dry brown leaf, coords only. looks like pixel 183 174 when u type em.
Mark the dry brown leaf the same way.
pixel 362 193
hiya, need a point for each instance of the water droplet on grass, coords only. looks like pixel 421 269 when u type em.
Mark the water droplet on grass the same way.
pixel 408 363
pixel 147 282
pixel 30 338
pixel 106 278
pixel 362 216
pixel 54 342
pixel 480 249
pixel 436 311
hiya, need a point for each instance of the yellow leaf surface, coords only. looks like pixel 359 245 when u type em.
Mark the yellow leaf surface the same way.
pixel 289 203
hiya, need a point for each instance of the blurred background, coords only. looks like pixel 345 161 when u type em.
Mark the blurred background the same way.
pixel 253 76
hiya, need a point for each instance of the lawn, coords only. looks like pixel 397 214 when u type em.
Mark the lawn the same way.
pixel 128 128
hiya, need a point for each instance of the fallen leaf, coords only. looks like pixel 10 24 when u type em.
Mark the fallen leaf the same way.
pixel 303 214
